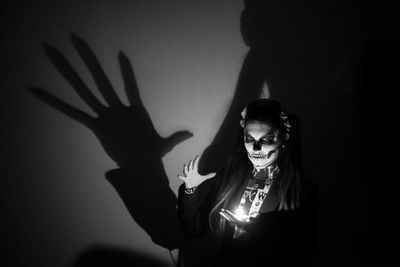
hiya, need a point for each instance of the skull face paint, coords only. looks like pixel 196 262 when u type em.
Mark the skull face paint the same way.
pixel 262 144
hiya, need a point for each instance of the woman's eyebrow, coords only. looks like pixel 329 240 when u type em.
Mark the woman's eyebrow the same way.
pixel 271 133
pixel 247 134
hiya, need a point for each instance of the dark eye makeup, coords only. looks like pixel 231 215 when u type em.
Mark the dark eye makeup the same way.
pixel 248 139
pixel 268 139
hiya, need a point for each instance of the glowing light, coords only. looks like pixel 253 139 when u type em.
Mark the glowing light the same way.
pixel 240 215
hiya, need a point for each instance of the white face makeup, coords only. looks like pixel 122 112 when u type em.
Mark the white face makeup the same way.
pixel 261 142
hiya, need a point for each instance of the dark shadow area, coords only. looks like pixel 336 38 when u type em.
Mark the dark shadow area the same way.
pixel 126 133
pixel 378 180
pixel 107 256
pixel 312 57
pixel 249 86
pixel 321 60
pixel 335 66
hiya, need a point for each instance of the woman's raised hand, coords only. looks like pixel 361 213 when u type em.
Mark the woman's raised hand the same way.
pixel 191 176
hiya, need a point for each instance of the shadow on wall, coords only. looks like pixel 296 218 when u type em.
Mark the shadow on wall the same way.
pixel 300 51
pixel 124 143
pixel 106 256
pixel 313 56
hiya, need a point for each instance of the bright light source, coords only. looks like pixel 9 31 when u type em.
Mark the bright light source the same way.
pixel 240 215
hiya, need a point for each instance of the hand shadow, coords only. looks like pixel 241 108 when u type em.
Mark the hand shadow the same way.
pixel 125 132
pixel 249 87
pixel 121 130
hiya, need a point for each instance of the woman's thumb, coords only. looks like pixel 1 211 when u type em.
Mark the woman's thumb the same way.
pixel 210 175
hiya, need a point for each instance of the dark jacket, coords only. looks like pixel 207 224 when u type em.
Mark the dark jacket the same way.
pixel 276 237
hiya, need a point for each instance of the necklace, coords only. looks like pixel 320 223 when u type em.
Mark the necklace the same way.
pixel 268 173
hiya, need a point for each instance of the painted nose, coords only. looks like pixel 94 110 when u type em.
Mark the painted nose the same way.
pixel 257 146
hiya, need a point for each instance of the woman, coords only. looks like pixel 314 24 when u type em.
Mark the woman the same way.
pixel 259 205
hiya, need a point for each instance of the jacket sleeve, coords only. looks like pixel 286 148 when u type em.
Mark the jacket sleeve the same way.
pixel 193 209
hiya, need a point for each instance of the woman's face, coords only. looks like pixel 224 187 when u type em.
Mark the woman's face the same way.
pixel 262 143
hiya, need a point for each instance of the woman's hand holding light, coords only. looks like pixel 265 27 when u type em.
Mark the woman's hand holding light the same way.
pixel 191 176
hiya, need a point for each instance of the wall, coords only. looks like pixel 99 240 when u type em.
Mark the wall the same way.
pixel 187 56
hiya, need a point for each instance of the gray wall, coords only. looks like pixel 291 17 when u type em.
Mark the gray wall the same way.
pixel 187 56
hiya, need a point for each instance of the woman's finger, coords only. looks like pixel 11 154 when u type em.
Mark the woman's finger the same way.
pixel 196 163
pixel 231 216
pixel 187 168
pixel 190 166
pixel 181 177
pixel 234 218
pixel 223 214
pixel 230 213
pixel 184 170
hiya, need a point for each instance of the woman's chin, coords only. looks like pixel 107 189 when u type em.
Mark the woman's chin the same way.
pixel 259 164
